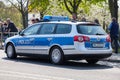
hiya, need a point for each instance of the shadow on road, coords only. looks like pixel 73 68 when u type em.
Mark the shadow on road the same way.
pixel 78 65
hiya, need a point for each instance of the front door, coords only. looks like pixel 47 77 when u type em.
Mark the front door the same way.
pixel 26 40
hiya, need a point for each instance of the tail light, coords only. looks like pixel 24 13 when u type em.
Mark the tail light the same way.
pixel 81 38
pixel 108 39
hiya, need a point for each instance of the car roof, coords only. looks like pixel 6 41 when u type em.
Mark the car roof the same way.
pixel 71 22
pixel 68 22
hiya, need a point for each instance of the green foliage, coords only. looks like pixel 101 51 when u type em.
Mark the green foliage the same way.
pixel 2 5
pixel 86 4
pixel 83 5
pixel 39 5
pixel 70 5
pixel 10 12
pixel 55 9
pixel 95 1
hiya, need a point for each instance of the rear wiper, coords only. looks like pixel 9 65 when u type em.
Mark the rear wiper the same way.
pixel 99 34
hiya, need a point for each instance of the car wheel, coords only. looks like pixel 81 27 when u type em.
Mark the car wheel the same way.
pixel 92 61
pixel 11 51
pixel 56 55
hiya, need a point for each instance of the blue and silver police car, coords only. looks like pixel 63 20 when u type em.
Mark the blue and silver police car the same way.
pixel 60 41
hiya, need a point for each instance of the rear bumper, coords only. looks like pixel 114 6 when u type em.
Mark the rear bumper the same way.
pixel 87 51
pixel 86 56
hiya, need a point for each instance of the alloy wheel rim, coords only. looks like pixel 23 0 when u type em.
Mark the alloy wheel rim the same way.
pixel 56 55
pixel 9 50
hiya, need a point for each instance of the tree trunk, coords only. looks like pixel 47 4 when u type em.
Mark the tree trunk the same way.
pixel 74 5
pixel 113 6
pixel 25 20
pixel 116 9
pixel 75 11
pixel 41 15
pixel 75 8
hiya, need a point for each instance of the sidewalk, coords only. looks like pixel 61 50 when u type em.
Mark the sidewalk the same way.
pixel 113 58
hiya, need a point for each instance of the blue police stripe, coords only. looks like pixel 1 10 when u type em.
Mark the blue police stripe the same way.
pixel 44 41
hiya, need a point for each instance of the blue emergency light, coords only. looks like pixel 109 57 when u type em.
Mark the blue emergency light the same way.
pixel 55 18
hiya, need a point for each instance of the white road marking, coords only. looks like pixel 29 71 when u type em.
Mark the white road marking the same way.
pixel 18 76
pixel 30 76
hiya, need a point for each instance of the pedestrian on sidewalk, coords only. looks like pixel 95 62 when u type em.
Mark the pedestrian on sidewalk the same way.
pixel 114 33
pixel 11 26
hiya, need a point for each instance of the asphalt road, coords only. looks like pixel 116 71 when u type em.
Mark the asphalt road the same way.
pixel 24 68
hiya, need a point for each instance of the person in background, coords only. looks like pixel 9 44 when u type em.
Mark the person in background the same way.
pixel 114 33
pixel 4 30
pixel 74 17
pixel 11 26
pixel 96 21
pixel 33 21
pixel 1 26
pixel 83 19
pixel 37 20
pixel 5 26
pixel 11 29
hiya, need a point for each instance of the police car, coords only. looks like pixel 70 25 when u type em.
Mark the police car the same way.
pixel 60 41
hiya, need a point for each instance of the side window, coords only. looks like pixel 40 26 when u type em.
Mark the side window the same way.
pixel 63 29
pixel 47 29
pixel 32 30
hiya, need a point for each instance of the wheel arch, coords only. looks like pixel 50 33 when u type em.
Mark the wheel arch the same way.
pixel 8 44
pixel 55 46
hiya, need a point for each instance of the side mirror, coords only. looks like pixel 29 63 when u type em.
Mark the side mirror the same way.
pixel 21 33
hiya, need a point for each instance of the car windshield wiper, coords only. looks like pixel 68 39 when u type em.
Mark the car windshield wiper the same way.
pixel 99 34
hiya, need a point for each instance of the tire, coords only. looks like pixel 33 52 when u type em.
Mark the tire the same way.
pixel 10 51
pixel 92 61
pixel 56 55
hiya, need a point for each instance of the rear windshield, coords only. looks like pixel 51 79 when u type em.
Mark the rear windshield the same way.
pixel 91 30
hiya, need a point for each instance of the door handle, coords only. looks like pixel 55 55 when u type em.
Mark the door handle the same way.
pixel 32 39
pixel 49 39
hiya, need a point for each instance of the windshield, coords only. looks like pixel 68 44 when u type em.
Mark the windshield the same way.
pixel 91 30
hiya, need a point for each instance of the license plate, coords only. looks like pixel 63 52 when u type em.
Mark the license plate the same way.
pixel 98 45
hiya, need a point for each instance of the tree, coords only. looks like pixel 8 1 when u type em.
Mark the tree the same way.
pixel 7 11
pixel 72 6
pixel 2 5
pixel 40 5
pixel 22 7
pixel 113 6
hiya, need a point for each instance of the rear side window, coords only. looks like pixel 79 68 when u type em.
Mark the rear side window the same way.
pixel 63 29
pixel 90 30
